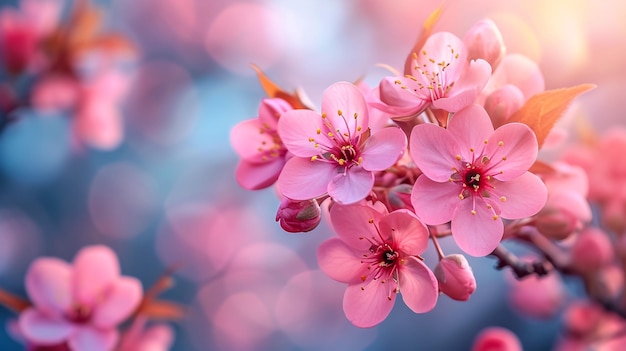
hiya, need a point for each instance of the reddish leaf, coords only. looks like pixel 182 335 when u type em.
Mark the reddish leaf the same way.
pixel 540 167
pixel 274 91
pixel 160 309
pixel 543 110
pixel 13 302
pixel 427 29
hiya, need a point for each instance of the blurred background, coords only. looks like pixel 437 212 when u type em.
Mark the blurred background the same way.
pixel 166 194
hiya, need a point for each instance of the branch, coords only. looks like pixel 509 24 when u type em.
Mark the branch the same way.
pixel 520 268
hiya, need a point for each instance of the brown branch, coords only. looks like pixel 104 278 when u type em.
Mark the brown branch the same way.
pixel 520 268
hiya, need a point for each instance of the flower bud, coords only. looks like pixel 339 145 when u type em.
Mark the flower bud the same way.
pixel 556 223
pixel 484 41
pixel 298 216
pixel 455 277
pixel 400 197
pixel 503 103
pixel 496 339
pixel 591 251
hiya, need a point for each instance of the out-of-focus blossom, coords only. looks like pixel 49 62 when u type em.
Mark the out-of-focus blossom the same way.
pixel 535 296
pixel 260 147
pixel 80 303
pixel 336 152
pixel 591 251
pixel 441 75
pixel 589 327
pixel 484 41
pixel 377 255
pixel 141 337
pixel 496 339
pixel 474 175
pixel 455 277
pixel 299 215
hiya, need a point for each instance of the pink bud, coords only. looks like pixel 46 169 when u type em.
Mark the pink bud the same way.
pixel 496 339
pixel 581 318
pixel 455 277
pixel 400 197
pixel 484 41
pixel 503 103
pixel 591 251
pixel 298 216
pixel 556 223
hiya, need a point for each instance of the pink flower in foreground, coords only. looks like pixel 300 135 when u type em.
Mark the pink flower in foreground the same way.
pixel 377 255
pixel 258 144
pixel 474 175
pixel 80 303
pixel 441 74
pixel 336 152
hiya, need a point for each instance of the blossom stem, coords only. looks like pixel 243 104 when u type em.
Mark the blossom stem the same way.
pixel 436 243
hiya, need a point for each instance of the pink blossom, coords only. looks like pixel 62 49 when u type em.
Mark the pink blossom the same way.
pixel 473 176
pixel 441 75
pixel 484 41
pixel 336 152
pixel 455 277
pixel 141 337
pixel 592 251
pixel 80 303
pixel 535 296
pixel 496 339
pixel 257 142
pixel 377 255
pixel 298 216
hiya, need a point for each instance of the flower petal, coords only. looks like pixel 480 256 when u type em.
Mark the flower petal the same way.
pixel 42 329
pixel 523 196
pixel 86 338
pixel 471 127
pixel 96 268
pixel 347 98
pixel 513 149
pixel 418 285
pixel 367 306
pixel 442 47
pixel 383 149
pixel 351 187
pixel 340 262
pixel 434 151
pixel 303 179
pixel 118 304
pixel 476 234
pixel 398 101
pixel 251 141
pixel 297 128
pixel 433 202
pixel 408 233
pixel 270 111
pixel 467 88
pixel 353 222
pixel 48 284
pixel 255 176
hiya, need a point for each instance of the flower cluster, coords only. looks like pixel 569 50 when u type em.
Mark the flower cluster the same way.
pixel 450 147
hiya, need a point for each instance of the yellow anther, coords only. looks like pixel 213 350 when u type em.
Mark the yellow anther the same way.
pixel 341 161
pixel 503 198
pixel 458 157
pixel 323 114
pixel 330 134
pixel 473 212
pixel 358 129
pixel 356 115
pixel 471 149
pixel 319 131
pixel 370 221
pixel 495 217
pixel 500 143
pixel 504 158
pixel 486 141
pixel 339 112
pixel 461 195
pixel 313 158
pixel 311 140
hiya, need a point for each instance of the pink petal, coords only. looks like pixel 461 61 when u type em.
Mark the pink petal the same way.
pixel 340 262
pixel 518 151
pixel 470 127
pixel 352 222
pixel 383 149
pixel 99 124
pixel 524 196
pixel 86 338
pixel 522 72
pixel 96 269
pixel 352 186
pixel 434 202
pixel 118 304
pixel 48 284
pixel 399 102
pixel 271 110
pixel 297 128
pixel 467 88
pixel 247 137
pixel 479 234
pixel 303 179
pixel 347 98
pixel 434 151
pixel 408 233
pixel 255 176
pixel 418 285
pixel 367 306
pixel 42 329
pixel 443 46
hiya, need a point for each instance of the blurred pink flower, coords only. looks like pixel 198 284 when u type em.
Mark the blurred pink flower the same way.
pixel 496 339
pixel 80 303
pixel 441 74
pixel 592 251
pixel 455 277
pixel 335 152
pixel 140 337
pixel 474 175
pixel 377 255
pixel 257 142
pixel 18 41
pixel 537 297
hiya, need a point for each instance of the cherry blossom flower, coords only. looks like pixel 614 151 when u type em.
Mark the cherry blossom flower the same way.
pixel 257 142
pixel 377 255
pixel 80 303
pixel 441 75
pixel 473 176
pixel 336 152
pixel 455 277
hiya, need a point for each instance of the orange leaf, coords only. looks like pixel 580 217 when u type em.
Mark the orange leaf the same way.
pixel 160 309
pixel 540 167
pixel 427 29
pixel 543 110
pixel 274 91
pixel 13 302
